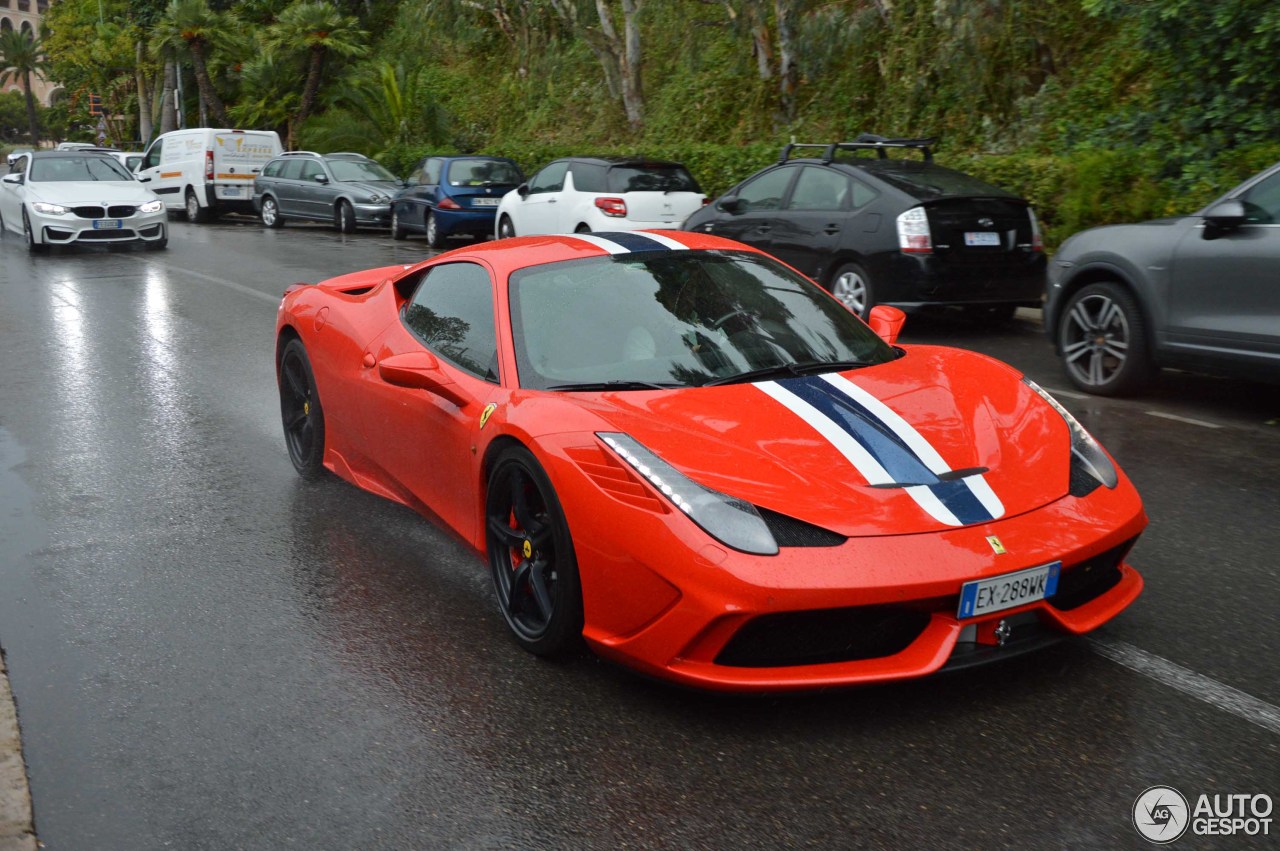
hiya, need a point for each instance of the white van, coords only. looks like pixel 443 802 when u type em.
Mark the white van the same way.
pixel 203 172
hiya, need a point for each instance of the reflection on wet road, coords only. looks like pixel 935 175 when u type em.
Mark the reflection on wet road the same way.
pixel 209 653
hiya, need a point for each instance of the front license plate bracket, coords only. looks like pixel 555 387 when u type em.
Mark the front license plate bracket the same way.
pixel 997 593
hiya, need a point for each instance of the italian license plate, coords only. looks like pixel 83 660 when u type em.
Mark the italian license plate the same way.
pixel 231 192
pixel 984 596
pixel 485 202
pixel 107 224
pixel 981 238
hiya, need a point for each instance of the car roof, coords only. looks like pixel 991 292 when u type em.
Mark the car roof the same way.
pixel 80 152
pixel 624 161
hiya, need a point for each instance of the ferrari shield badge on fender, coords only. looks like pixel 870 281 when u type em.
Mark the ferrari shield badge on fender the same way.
pixel 487 412
pixel 996 546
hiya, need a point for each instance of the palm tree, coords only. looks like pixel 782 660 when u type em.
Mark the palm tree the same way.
pixel 21 55
pixel 314 29
pixel 192 27
pixel 385 107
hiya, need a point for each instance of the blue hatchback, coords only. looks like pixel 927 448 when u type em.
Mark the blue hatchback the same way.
pixel 452 195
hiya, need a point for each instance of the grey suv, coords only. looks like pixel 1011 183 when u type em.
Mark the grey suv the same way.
pixel 1199 292
pixel 347 189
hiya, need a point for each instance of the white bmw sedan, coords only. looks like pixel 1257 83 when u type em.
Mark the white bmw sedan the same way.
pixel 72 197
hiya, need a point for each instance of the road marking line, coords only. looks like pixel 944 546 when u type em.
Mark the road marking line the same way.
pixel 223 282
pixel 1070 394
pixel 1187 681
pixel 1187 420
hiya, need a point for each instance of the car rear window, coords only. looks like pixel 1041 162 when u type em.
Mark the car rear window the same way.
pixel 645 177
pixel 928 181
pixel 483 173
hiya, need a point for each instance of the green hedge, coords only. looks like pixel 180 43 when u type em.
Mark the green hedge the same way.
pixel 1071 192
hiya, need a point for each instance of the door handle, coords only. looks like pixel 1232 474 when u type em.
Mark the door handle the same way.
pixel 831 230
pixel 764 228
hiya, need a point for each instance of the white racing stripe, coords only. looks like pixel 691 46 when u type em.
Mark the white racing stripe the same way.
pixel 1202 688
pixel 603 244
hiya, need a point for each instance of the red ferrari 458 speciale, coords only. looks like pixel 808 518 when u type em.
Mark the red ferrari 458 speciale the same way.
pixel 686 453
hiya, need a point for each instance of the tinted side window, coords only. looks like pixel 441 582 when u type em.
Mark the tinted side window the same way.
pixel 550 179
pixel 310 168
pixel 1262 202
pixel 431 174
pixel 588 177
pixel 273 168
pixel 291 170
pixel 821 189
pixel 415 176
pixel 452 313
pixel 153 154
pixel 766 191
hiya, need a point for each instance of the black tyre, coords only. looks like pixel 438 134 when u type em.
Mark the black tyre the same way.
pixel 852 286
pixel 196 213
pixel 582 229
pixel 300 411
pixel 535 573
pixel 29 234
pixel 506 230
pixel 435 239
pixel 270 213
pixel 397 227
pixel 1104 340
pixel 344 217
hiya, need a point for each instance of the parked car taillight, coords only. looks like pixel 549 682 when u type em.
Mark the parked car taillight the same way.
pixel 913 232
pixel 208 165
pixel 1037 241
pixel 615 207
pixel 448 204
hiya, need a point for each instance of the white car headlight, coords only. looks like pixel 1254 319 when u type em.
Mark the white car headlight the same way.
pixel 379 199
pixel 49 209
pixel 152 206
pixel 1084 449
pixel 731 521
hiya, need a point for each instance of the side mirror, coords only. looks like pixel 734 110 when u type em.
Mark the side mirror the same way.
pixel 887 322
pixel 523 189
pixel 322 178
pixel 13 178
pixel 1221 217
pixel 421 371
pixel 730 203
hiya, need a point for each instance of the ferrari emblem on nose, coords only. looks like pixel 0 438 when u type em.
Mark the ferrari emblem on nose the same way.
pixel 528 549
pixel 996 546
pixel 487 412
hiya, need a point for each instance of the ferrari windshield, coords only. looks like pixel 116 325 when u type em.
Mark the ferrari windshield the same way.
pixel 677 319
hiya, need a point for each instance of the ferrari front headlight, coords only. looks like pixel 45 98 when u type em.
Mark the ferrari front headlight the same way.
pixel 152 206
pixel 1084 449
pixel 733 522
pixel 50 209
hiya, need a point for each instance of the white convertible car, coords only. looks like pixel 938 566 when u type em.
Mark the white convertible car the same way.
pixel 74 197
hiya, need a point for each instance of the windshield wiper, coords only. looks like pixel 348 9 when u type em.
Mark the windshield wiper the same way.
pixel 613 385
pixel 789 370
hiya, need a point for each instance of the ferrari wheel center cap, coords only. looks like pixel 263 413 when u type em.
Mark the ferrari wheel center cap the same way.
pixel 306 409
pixel 527 548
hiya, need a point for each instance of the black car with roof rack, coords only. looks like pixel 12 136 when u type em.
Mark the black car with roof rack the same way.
pixel 879 229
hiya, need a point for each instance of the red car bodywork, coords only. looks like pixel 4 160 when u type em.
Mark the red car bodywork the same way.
pixel 660 594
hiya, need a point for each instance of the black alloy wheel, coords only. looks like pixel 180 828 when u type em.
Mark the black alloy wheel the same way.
pixel 1104 340
pixel 434 238
pixel 535 573
pixel 344 217
pixel 300 411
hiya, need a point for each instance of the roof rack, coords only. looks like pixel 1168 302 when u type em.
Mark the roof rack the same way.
pixel 864 142
pixel 299 154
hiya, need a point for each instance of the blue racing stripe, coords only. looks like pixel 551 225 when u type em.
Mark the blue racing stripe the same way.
pixel 632 241
pixel 890 450
pixel 885 446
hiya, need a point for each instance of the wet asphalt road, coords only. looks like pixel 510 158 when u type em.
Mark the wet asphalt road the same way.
pixel 209 653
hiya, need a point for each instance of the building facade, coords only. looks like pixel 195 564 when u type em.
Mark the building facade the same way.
pixel 25 16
